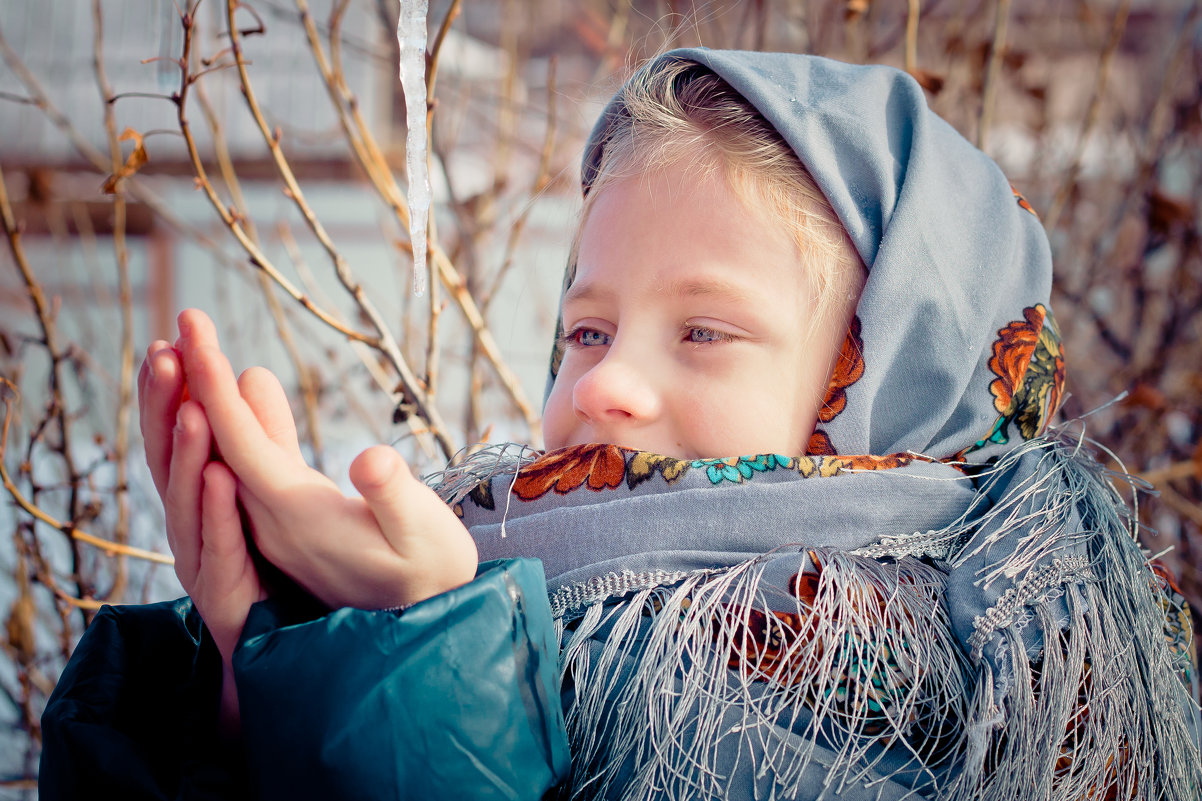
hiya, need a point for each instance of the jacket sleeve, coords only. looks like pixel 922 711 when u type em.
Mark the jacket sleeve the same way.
pixel 456 697
pixel 134 714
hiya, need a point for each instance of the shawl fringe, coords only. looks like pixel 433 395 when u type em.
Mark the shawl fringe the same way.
pixel 698 676
pixel 1077 694
pixel 1065 689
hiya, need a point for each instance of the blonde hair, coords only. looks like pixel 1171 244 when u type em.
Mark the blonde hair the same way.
pixel 681 113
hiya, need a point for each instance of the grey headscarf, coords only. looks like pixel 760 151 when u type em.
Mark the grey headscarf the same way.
pixel 965 583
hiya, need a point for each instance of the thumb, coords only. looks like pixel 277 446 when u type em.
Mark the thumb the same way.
pixel 421 529
pixel 384 480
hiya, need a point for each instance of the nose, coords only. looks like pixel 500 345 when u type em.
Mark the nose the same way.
pixel 616 391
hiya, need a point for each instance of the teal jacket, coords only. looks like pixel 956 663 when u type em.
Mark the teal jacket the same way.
pixel 456 697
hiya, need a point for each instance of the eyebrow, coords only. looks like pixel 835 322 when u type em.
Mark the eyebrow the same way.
pixel 581 292
pixel 684 288
pixel 707 288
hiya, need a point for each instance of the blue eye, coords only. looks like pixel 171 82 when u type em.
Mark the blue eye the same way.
pixel 700 335
pixel 589 337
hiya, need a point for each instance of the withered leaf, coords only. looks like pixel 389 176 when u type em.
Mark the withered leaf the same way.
pixel 134 162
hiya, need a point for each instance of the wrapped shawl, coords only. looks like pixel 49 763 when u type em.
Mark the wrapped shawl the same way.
pixel 942 599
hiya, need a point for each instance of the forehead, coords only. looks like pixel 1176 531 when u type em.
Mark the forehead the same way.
pixel 682 230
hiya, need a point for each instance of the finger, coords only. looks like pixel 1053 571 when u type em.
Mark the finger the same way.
pixel 382 478
pixel 143 377
pixel 159 399
pixel 259 517
pixel 419 527
pixel 227 578
pixel 182 500
pixel 144 372
pixel 266 397
pixel 223 545
pixel 243 444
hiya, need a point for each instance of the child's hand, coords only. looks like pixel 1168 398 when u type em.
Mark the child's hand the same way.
pixel 204 529
pixel 397 545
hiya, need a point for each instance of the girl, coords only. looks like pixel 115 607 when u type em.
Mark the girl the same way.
pixel 803 530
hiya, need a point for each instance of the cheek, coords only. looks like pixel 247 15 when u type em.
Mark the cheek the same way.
pixel 764 407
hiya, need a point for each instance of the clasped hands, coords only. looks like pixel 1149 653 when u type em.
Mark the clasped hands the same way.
pixel 213 441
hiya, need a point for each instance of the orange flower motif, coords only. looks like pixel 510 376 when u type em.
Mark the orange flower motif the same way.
pixel 596 466
pixel 849 368
pixel 821 445
pixel 869 462
pixel 1011 354
pixel 1022 201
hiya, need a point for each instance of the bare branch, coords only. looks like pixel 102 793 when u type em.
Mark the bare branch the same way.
pixel 911 62
pixel 993 73
pixel 375 165
pixel 125 292
pixel 107 546
pixel 1117 26
pixel 384 339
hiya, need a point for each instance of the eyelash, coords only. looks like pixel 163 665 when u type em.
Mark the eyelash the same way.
pixel 718 336
pixel 572 338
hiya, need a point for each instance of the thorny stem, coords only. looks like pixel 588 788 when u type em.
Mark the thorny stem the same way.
pixel 434 312
pixel 1179 503
pixel 435 304
pixel 435 50
pixel 1155 139
pixel 125 294
pixel 384 340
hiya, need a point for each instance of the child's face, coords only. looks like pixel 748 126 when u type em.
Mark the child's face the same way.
pixel 689 327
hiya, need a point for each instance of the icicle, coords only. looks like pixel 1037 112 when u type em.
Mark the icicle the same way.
pixel 411 36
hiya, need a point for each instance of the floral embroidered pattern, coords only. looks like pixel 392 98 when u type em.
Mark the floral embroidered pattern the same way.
pixel 867 462
pixel 1028 361
pixel 645 465
pixel 596 466
pixel 739 469
pixel 820 445
pixel 810 466
pixel 849 368
pixel 599 467
pixel 1178 624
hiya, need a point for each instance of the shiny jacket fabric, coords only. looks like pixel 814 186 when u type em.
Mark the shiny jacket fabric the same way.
pixel 456 697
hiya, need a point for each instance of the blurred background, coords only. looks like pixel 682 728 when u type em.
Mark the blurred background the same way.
pixel 249 159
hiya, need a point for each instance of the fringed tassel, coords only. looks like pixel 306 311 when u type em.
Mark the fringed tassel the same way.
pixel 1099 712
pixel 470 467
pixel 845 681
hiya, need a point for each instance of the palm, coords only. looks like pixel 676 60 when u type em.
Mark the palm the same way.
pixel 396 545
